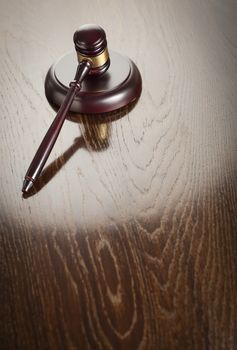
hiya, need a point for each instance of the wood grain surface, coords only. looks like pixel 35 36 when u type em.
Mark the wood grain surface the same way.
pixel 130 241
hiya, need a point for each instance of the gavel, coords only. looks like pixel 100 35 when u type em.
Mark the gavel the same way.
pixel 95 88
pixel 93 59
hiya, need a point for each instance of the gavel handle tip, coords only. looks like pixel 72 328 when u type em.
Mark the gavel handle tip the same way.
pixel 27 185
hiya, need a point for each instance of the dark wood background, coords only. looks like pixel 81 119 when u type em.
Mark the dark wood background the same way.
pixel 131 239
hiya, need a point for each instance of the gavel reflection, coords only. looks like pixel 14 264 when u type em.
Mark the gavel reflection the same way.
pixel 91 46
pixel 96 135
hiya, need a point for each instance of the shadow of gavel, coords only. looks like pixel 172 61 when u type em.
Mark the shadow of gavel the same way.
pixel 96 134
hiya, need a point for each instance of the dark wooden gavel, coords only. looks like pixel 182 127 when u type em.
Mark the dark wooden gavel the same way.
pixel 93 59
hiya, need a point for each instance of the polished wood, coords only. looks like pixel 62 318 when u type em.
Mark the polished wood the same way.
pixel 120 85
pixel 132 242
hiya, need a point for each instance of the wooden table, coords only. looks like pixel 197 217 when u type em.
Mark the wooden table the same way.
pixel 131 239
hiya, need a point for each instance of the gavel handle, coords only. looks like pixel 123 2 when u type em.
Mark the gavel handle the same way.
pixel 51 136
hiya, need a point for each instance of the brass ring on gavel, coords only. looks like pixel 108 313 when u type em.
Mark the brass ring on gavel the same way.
pixel 97 61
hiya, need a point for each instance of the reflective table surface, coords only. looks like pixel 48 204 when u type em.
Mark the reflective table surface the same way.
pixel 130 238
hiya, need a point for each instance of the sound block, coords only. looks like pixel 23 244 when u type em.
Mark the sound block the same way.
pixel 117 87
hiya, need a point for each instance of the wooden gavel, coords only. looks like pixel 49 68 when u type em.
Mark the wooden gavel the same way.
pixel 93 59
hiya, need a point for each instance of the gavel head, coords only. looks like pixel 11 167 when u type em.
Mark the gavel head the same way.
pixel 91 44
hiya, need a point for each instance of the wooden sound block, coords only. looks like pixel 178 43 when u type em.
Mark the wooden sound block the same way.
pixel 117 87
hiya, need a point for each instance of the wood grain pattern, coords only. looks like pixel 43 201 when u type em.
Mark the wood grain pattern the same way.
pixel 130 241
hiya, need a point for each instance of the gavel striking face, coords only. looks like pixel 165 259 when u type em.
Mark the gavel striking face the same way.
pixel 117 88
pixel 91 44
